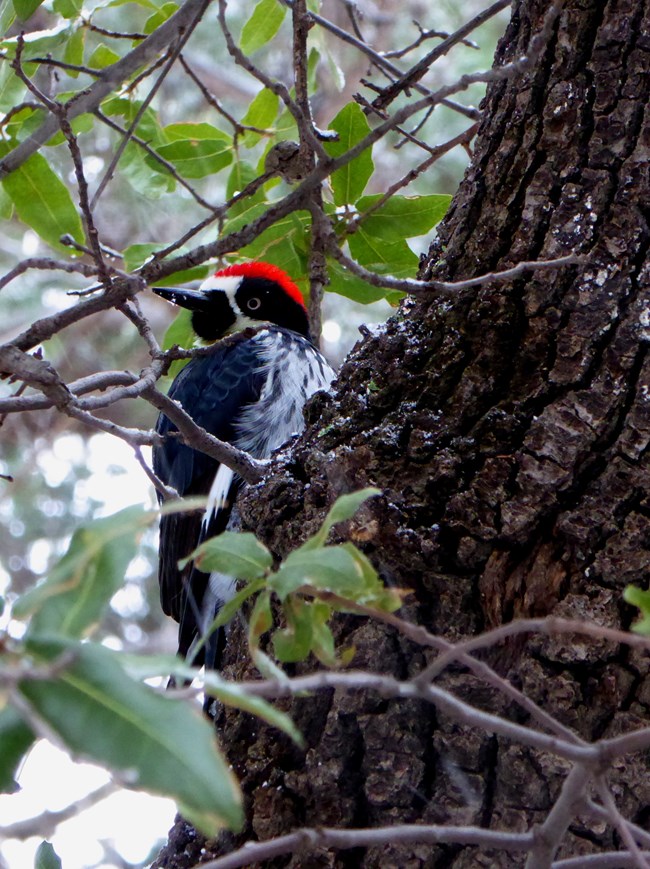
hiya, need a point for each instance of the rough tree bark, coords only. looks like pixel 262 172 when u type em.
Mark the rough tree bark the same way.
pixel 508 430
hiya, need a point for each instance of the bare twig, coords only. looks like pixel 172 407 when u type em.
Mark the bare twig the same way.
pixel 249 469
pixel 618 821
pixel 416 72
pixel 550 625
pixel 48 264
pixel 168 493
pixel 549 835
pixel 308 839
pixel 45 824
pixel 382 62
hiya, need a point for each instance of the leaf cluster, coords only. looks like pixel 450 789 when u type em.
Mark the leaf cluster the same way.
pixel 60 681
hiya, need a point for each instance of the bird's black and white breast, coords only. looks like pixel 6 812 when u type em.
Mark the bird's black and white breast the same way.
pixel 291 371
pixel 252 394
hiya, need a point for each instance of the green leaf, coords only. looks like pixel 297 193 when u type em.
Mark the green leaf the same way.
pixel 349 182
pixel 74 50
pixel 261 113
pixel 26 8
pixel 293 643
pixel 267 666
pixel 262 26
pixel 37 43
pixel 330 568
pixel 285 244
pixel 349 285
pixel 7 16
pixel 322 643
pixel 6 205
pixel 159 17
pixel 148 127
pixel 313 62
pixel 16 737
pixel 180 332
pixel 195 157
pixel 237 554
pixel 641 599
pixel 146 4
pixel 46 857
pixel 137 166
pixel 341 510
pixel 68 9
pixel 241 174
pixel 11 88
pixel 232 694
pixel 403 216
pixel 372 591
pixel 102 57
pixel 42 200
pixel 261 619
pixel 77 590
pixel 392 257
pixel 157 743
pixel 250 212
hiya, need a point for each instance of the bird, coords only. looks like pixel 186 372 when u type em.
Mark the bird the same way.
pixel 250 392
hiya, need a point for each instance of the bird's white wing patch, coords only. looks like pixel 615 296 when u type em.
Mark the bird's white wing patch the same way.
pixel 218 495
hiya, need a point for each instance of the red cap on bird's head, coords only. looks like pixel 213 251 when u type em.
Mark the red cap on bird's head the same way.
pixel 246 294
pixel 266 271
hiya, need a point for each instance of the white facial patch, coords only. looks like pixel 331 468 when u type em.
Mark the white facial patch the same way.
pixel 229 284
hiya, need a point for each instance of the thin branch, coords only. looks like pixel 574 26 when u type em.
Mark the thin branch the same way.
pixel 596 810
pixel 46 327
pixel 113 34
pixel 549 625
pixel 548 836
pixel 382 62
pixel 617 820
pixel 416 72
pixel 168 493
pixel 413 287
pixel 444 701
pixel 435 154
pixel 276 87
pixel 47 264
pixel 211 100
pixel 309 839
pixel 419 635
pixel 86 209
pixel 242 463
pixel 45 824
pixel 296 199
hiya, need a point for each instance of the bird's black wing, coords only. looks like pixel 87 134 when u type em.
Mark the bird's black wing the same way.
pixel 213 390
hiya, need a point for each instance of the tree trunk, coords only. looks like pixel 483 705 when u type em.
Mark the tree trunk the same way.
pixel 508 430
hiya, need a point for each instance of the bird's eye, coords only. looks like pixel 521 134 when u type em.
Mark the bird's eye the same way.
pixel 253 304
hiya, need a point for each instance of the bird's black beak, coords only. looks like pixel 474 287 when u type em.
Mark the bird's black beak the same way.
pixel 212 314
pixel 195 300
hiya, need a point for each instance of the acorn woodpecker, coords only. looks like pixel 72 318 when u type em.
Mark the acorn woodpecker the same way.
pixel 249 392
